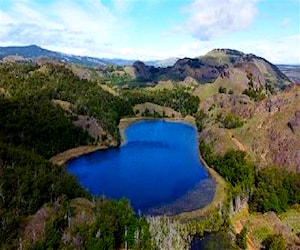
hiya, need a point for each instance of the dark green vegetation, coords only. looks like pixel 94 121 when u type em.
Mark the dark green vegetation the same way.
pixel 275 242
pixel 33 128
pixel 114 226
pixel 35 123
pixel 27 182
pixel 229 120
pixel 258 93
pixel 241 239
pixel 199 119
pixel 233 166
pixel 29 81
pixel 274 189
pixel 178 99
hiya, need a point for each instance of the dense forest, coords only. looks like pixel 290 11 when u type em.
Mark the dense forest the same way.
pixel 272 189
pixel 33 129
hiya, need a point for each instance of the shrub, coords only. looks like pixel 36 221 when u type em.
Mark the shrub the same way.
pixel 222 90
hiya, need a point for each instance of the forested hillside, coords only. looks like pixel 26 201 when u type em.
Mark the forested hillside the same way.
pixel 40 106
pixel 46 109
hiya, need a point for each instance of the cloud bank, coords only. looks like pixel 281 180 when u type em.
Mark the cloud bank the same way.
pixel 213 18
pixel 64 24
pixel 130 30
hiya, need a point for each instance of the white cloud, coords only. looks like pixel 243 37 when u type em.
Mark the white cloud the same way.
pixel 60 25
pixel 282 50
pixel 90 28
pixel 285 22
pixel 285 49
pixel 209 19
pixel 121 5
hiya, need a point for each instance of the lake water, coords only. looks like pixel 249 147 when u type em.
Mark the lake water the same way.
pixel 157 169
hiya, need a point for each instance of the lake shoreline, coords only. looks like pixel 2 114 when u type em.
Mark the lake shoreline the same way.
pixel 127 121
pixel 221 188
pixel 65 156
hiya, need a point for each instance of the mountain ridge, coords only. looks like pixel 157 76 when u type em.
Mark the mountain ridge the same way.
pixel 33 52
pixel 224 63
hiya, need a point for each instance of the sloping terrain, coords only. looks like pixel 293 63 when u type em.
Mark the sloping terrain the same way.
pixel 291 71
pixel 261 226
pixel 48 107
pixel 224 63
pixel 269 132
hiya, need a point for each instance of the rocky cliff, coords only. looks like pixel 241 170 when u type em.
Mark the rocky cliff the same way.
pixel 216 63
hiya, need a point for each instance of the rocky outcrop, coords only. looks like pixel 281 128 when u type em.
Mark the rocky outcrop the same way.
pixel 217 63
pixel 294 123
pixel 142 72
pixel 195 68
pixel 241 105
pixel 95 130
pixel 271 129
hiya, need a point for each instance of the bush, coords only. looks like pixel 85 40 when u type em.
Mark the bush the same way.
pixel 222 90
pixel 254 94
pixel 230 121
pixel 275 242
pixel 274 190
pixel 241 238
pixel 235 168
pixel 200 117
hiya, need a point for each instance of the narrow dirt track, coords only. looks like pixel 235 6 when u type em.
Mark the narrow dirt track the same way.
pixel 238 228
pixel 238 144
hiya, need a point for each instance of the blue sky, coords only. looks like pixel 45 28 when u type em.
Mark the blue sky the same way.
pixel 154 29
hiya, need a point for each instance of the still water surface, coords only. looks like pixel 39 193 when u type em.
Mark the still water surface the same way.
pixel 157 169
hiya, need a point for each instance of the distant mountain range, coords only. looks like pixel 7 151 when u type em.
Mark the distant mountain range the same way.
pixel 34 52
pixel 291 71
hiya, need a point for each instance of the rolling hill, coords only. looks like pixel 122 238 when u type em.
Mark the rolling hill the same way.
pixel 223 63
pixel 238 101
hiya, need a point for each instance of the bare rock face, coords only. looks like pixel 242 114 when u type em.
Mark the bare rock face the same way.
pixel 93 127
pixel 282 126
pixel 223 63
pixel 141 71
pixel 82 73
pixel 271 130
pixel 294 123
pixel 90 124
pixel 240 105
pixel 252 70
pixel 14 59
pixel 196 69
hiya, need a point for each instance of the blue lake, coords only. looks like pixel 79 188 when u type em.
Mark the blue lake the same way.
pixel 158 169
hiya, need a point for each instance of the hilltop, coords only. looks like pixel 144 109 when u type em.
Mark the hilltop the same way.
pixel 246 111
pixel 203 68
pixel 224 63
pixel 34 52
pixel 227 82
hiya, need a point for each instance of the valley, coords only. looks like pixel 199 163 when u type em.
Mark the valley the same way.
pixel 246 112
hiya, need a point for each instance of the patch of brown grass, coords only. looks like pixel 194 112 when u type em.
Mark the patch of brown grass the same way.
pixel 62 158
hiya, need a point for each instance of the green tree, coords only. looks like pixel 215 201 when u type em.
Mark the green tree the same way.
pixel 275 242
pixel 241 238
